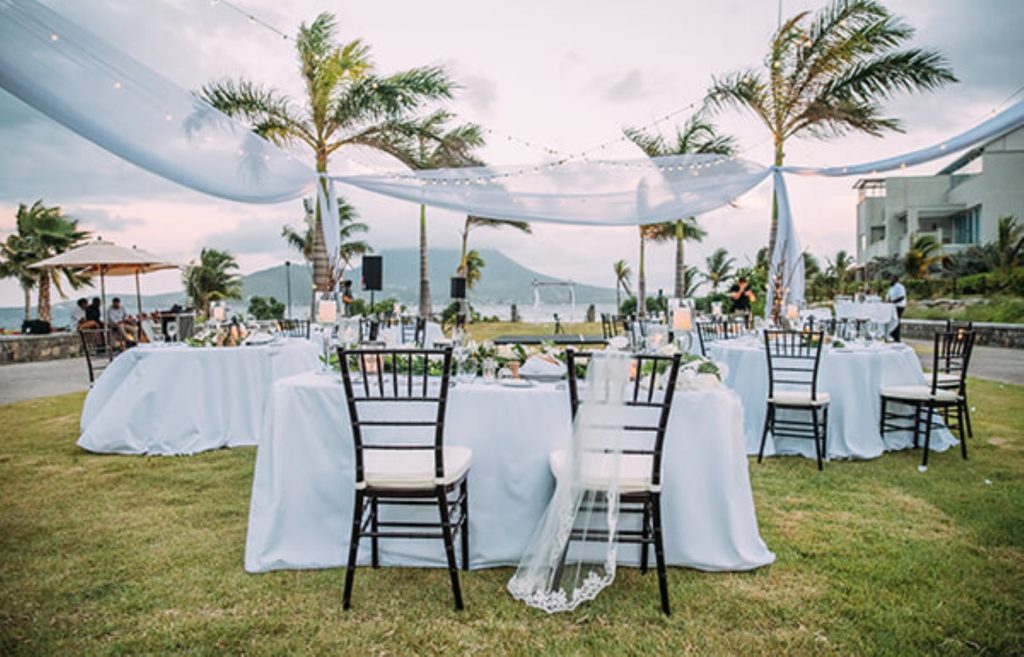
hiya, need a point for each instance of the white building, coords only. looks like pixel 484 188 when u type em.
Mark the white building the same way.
pixel 960 206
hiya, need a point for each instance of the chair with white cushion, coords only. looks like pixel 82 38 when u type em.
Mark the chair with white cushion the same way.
pixel 924 400
pixel 793 361
pixel 401 458
pixel 954 360
pixel 638 473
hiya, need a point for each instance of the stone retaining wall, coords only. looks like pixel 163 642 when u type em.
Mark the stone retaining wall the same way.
pixel 988 334
pixel 31 348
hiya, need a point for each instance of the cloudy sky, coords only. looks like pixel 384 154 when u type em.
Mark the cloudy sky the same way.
pixel 565 74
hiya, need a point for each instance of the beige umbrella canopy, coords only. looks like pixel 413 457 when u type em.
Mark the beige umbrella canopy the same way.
pixel 101 258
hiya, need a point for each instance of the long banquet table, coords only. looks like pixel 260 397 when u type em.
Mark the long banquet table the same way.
pixel 302 495
pixel 853 377
pixel 175 399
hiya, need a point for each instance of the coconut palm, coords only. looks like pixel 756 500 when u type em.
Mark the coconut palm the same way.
pixel 1009 244
pixel 213 278
pixel 696 136
pixel 691 281
pixel 925 254
pixel 623 274
pixel 15 258
pixel 345 103
pixel 473 221
pixel 42 233
pixel 473 268
pixel 719 268
pixel 838 269
pixel 349 247
pixel 827 74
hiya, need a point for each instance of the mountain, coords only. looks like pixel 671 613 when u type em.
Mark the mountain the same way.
pixel 504 281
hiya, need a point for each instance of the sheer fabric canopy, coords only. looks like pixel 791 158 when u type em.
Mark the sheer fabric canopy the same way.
pixel 106 96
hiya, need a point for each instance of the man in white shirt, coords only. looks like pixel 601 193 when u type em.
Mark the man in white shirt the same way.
pixel 897 296
pixel 117 317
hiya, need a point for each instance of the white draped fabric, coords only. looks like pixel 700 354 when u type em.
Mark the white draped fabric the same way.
pixel 787 263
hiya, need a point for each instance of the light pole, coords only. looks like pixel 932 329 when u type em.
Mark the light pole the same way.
pixel 288 285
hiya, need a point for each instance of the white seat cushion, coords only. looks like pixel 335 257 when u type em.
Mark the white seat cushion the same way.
pixel 948 380
pixel 918 393
pixel 634 470
pixel 798 398
pixel 412 469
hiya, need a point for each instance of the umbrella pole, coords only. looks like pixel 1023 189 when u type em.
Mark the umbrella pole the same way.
pixel 103 308
pixel 138 294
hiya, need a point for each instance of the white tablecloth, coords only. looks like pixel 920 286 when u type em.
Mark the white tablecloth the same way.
pixel 393 334
pixel 854 380
pixel 182 400
pixel 875 311
pixel 301 509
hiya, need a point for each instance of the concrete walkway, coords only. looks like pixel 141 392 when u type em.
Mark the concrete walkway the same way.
pixel 58 377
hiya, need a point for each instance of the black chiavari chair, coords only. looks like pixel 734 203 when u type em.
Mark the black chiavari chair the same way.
pixel 413 330
pixel 100 347
pixel 295 328
pixel 952 350
pixel 641 495
pixel 369 329
pixel 393 468
pixel 710 331
pixel 955 361
pixel 794 358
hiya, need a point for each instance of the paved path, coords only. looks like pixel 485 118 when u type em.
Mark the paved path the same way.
pixel 57 377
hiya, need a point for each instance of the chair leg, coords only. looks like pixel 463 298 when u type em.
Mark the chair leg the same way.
pixel 646 535
pixel 881 420
pixel 769 418
pixel 928 432
pixel 817 442
pixel 353 550
pixel 659 554
pixel 961 408
pixel 824 432
pixel 917 425
pixel 967 416
pixel 449 547
pixel 374 543
pixel 464 529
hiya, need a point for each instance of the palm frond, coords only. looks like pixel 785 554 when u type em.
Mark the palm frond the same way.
pixel 268 113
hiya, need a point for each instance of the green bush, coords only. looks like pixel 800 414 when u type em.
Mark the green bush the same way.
pixel 655 305
pixel 266 308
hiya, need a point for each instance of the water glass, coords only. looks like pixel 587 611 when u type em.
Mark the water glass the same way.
pixel 490 370
pixel 467 370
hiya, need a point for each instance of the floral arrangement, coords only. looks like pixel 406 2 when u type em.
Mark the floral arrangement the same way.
pixel 232 335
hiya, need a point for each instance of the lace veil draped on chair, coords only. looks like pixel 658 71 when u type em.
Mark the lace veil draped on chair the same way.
pixel 550 576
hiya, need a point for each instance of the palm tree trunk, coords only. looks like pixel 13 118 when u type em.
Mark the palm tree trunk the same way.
pixel 680 264
pixel 774 229
pixel 465 244
pixel 43 306
pixel 321 264
pixel 425 310
pixel 641 281
pixel 27 291
pixel 618 298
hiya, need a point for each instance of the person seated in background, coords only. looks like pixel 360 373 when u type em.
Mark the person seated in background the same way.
pixel 120 319
pixel 79 316
pixel 346 297
pixel 742 298
pixel 94 312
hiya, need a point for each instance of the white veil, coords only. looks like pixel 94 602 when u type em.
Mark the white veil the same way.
pixel 551 576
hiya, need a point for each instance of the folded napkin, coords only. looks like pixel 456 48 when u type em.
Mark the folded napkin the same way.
pixel 542 366
pixel 259 337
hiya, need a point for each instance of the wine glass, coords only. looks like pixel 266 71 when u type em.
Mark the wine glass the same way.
pixel 172 331
pixel 468 369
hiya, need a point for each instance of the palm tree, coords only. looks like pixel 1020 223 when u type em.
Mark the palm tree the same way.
pixel 473 266
pixel 697 136
pixel 827 74
pixel 838 269
pixel 1009 244
pixel 212 279
pixel 473 221
pixel 15 258
pixel 623 274
pixel 349 247
pixel 346 103
pixel 719 268
pixel 42 233
pixel 691 281
pixel 924 254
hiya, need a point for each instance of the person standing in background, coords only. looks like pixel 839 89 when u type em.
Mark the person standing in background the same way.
pixel 897 295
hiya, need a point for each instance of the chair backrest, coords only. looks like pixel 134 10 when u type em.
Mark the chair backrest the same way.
pixel 413 330
pixel 417 377
pixel 146 327
pixel 959 325
pixel 98 347
pixel 649 369
pixel 710 331
pixel 952 355
pixel 793 359
pixel 369 328
pixel 295 328
pixel 606 326
pixel 185 324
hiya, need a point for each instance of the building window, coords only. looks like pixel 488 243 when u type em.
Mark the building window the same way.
pixel 863 242
pixel 877 234
pixel 967 226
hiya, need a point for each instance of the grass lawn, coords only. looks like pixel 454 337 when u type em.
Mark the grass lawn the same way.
pixel 132 555
pixel 490 330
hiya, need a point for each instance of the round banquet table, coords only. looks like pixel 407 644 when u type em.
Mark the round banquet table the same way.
pixel 302 496
pixel 853 377
pixel 393 334
pixel 176 399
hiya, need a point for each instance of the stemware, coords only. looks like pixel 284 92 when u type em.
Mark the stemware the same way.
pixel 490 370
pixel 172 330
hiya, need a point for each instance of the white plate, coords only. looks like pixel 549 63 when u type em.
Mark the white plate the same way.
pixel 516 383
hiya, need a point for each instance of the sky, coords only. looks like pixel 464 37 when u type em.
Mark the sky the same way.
pixel 564 74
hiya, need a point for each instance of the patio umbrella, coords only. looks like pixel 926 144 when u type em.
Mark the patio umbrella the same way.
pixel 101 258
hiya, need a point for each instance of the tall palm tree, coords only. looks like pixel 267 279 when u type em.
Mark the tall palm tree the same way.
pixel 15 258
pixel 346 103
pixel 43 233
pixel 213 278
pixel 696 136
pixel 349 246
pixel 431 143
pixel 1009 244
pixel 623 274
pixel 473 221
pixel 925 254
pixel 838 268
pixel 691 281
pixel 719 266
pixel 473 268
pixel 827 74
